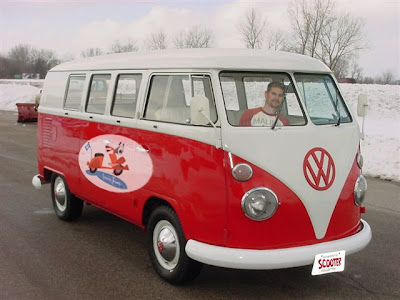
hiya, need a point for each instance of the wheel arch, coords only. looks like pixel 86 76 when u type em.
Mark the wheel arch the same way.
pixel 66 205
pixel 151 204
pixel 48 173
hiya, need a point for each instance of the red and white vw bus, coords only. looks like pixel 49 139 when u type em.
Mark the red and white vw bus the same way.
pixel 155 139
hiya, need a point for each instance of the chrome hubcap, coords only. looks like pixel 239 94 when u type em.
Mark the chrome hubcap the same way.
pixel 166 245
pixel 60 194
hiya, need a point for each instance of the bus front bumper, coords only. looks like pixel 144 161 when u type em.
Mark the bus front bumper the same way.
pixel 277 258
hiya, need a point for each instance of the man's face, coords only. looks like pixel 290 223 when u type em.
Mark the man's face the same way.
pixel 274 97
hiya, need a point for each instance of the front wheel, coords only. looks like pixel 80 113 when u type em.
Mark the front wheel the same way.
pixel 66 205
pixel 166 246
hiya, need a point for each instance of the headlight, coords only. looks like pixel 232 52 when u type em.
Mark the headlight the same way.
pixel 359 190
pixel 259 203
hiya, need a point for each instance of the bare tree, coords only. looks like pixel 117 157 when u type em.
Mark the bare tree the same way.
pixel 308 19
pixel 252 29
pixel 355 70
pixel 43 61
pixel 24 58
pixel 90 52
pixel 195 37
pixel 21 56
pixel 129 46
pixel 5 71
pixel 378 79
pixel 276 40
pixel 368 80
pixel 299 18
pixel 157 41
pixel 387 77
pixel 341 68
pixel 323 34
pixel 21 53
pixel 341 38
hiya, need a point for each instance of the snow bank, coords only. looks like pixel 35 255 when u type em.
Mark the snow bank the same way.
pixel 12 92
pixel 381 147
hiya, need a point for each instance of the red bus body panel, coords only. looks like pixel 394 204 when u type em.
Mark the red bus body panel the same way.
pixel 195 179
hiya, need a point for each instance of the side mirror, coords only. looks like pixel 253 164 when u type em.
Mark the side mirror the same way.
pixel 362 110
pixel 199 110
pixel 362 105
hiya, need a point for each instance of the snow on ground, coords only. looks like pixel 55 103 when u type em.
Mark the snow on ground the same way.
pixel 11 93
pixel 380 148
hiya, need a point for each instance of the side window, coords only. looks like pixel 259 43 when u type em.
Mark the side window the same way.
pixel 125 97
pixel 230 94
pixel 99 85
pixel 74 92
pixel 201 86
pixel 170 95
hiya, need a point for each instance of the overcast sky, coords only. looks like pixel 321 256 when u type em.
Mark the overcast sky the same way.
pixel 71 26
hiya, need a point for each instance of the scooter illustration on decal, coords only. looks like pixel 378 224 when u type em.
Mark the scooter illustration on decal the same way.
pixel 116 164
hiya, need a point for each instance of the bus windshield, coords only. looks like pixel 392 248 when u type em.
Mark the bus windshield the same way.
pixel 261 99
pixel 322 99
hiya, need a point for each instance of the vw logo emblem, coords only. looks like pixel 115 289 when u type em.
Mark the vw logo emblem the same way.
pixel 319 169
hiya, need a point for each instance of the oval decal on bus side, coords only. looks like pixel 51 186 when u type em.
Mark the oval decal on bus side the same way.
pixel 115 163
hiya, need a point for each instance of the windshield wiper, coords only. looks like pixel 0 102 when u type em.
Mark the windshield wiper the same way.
pixel 278 113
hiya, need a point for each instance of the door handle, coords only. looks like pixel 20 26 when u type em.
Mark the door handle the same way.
pixel 141 149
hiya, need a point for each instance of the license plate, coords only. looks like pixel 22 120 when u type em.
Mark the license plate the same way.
pixel 328 262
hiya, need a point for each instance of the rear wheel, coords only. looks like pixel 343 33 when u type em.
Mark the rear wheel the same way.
pixel 166 245
pixel 66 205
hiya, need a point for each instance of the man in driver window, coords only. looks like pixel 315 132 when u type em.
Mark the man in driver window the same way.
pixel 266 115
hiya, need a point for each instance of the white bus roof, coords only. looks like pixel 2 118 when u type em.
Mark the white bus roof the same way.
pixel 209 58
